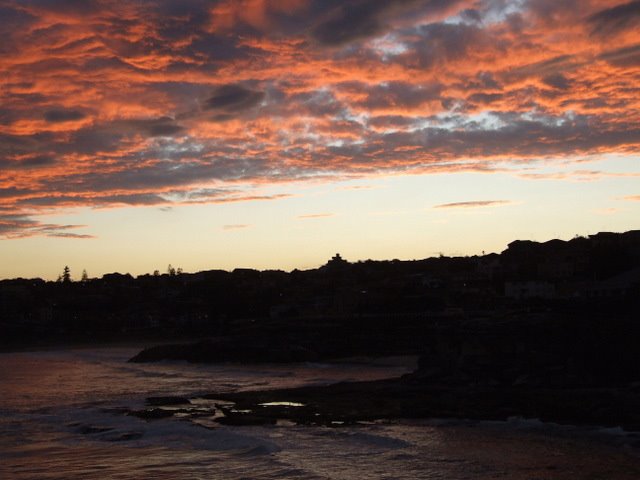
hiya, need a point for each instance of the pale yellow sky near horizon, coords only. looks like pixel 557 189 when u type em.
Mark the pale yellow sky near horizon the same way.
pixel 382 218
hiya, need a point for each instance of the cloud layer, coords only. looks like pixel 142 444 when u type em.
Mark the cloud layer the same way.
pixel 160 102
pixel 474 204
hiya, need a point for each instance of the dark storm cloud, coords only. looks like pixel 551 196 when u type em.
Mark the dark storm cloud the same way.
pixel 233 98
pixel 70 235
pixel 12 21
pixel 557 80
pixel 481 81
pixel 485 98
pixel 520 137
pixel 320 103
pixel 159 176
pixel 94 200
pixel 546 68
pixel 108 136
pixel 613 20
pixel 63 115
pixel 351 21
pixel 392 121
pixel 222 117
pixel 182 19
pixel 38 161
pixel 623 57
pixel 219 49
pixel 161 127
pixel 7 116
pixel 21 151
pixel 357 19
pixel 10 192
pixel 440 43
pixel 73 46
pixel 94 139
pixel 552 12
pixel 10 224
pixel 525 137
pixel 104 64
pixel 20 226
pixel 32 161
pixel 395 94
pixel 471 14
pixel 77 7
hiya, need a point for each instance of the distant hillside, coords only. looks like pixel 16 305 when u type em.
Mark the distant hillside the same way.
pixel 599 271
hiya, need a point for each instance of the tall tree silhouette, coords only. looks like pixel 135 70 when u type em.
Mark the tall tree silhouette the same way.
pixel 66 274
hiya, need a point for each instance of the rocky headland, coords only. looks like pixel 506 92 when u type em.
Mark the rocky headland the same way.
pixel 551 367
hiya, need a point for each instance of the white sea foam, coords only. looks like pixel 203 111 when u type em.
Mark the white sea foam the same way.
pixel 63 416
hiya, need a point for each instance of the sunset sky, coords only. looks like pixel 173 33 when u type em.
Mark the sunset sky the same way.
pixel 275 133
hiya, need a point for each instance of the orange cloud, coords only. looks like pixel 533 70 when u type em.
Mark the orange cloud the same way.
pixel 238 226
pixel 257 13
pixel 315 215
pixel 106 105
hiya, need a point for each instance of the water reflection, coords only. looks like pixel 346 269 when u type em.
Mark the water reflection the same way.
pixel 63 416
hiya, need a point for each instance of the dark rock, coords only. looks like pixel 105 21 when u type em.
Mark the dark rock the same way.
pixel 151 413
pixel 246 420
pixel 230 349
pixel 167 401
pixel 90 429
pixel 125 437
pixel 350 403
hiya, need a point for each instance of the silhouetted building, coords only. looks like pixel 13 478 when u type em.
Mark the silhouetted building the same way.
pixel 529 289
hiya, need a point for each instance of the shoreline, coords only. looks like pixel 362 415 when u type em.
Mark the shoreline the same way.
pixel 404 398
pixel 411 396
pixel 83 343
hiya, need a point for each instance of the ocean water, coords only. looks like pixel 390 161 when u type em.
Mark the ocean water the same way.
pixel 61 417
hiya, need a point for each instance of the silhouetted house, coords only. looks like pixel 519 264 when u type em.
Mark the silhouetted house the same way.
pixel 133 323
pixel 283 310
pixel 521 248
pixel 337 265
pixel 631 240
pixel 45 314
pixel 555 269
pixel 117 277
pixel 246 273
pixel 337 261
pixel 621 285
pixel 520 290
pixel 192 319
pixel 198 277
pixel 605 239
pixel 273 278
pixel 489 266
pixel 452 312
pixel 431 282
